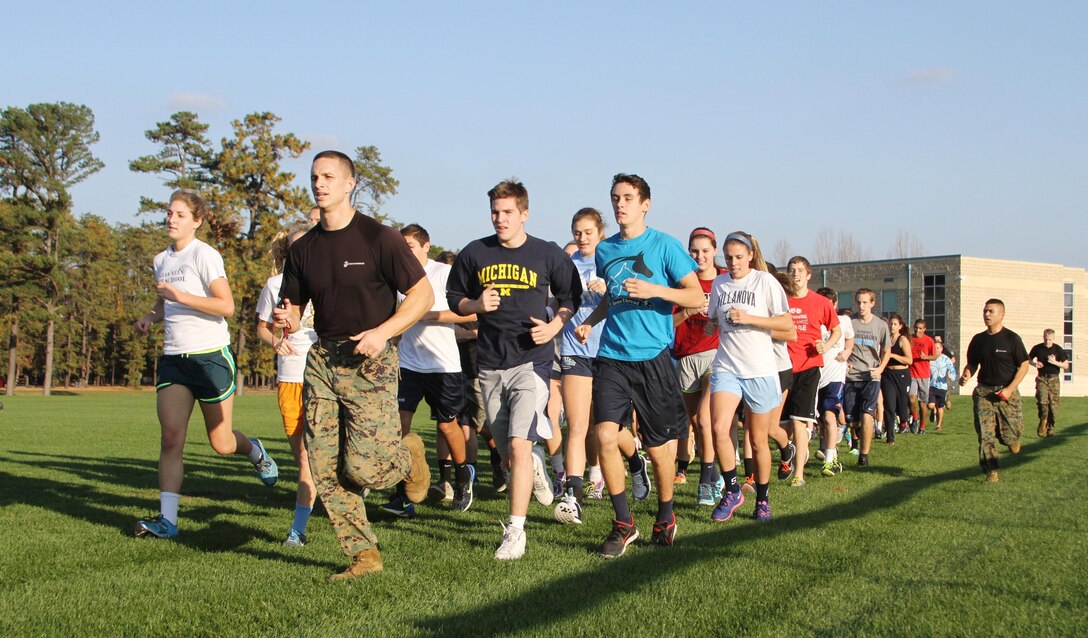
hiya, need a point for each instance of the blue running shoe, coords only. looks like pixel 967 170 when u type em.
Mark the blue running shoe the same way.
pixel 400 506
pixel 640 484
pixel 158 527
pixel 266 467
pixel 295 539
pixel 706 495
pixel 729 504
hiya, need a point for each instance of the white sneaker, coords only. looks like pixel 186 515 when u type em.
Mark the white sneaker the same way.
pixel 568 511
pixel 542 484
pixel 513 544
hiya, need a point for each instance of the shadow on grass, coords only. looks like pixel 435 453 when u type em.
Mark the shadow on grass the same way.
pixel 84 500
pixel 527 612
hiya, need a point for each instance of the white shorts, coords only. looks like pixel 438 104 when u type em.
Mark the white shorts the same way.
pixel 691 369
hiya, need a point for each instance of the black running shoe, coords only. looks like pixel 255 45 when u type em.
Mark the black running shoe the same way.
pixel 664 533
pixel 622 535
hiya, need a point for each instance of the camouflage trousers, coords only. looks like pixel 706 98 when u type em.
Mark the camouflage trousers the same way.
pixel 1048 396
pixel 996 422
pixel 353 435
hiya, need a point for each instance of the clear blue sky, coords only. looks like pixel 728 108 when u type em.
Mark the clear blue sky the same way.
pixel 964 123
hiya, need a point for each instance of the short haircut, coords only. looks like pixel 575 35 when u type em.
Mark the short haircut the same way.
pixel 994 302
pixel 1048 331
pixel 416 232
pixel 829 293
pixel 510 188
pixel 636 182
pixel 865 291
pixel 798 259
pixel 345 161
pixel 446 257
pixel 919 322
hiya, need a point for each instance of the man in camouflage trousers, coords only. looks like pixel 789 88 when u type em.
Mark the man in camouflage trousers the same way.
pixel 999 409
pixel 1050 361
pixel 352 267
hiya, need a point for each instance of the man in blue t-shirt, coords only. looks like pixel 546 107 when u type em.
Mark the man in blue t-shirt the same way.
pixel 647 273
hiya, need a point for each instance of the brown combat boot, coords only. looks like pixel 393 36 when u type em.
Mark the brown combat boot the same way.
pixel 1015 448
pixel 418 480
pixel 1042 429
pixel 363 563
pixel 992 477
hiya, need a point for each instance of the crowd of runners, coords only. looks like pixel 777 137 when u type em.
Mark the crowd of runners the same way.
pixel 653 353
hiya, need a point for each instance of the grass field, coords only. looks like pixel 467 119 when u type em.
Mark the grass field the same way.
pixel 917 545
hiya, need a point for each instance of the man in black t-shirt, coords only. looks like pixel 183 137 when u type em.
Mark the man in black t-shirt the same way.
pixel 352 267
pixel 999 410
pixel 1050 360
pixel 505 279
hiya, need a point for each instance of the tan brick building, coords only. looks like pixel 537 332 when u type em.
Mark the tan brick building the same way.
pixel 949 291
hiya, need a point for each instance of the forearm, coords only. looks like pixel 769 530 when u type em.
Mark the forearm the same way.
pixel 157 312
pixel 416 303
pixel 216 306
pixel 264 332
pixel 1021 372
pixel 780 323
pixel 448 316
pixel 686 297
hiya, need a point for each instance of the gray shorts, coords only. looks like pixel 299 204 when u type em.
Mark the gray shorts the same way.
pixel 516 403
pixel 691 369
pixel 920 388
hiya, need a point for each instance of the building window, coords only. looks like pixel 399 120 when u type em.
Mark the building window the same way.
pixel 933 302
pixel 1067 337
pixel 889 301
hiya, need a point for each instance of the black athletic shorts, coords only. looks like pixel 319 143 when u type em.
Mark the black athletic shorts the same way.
pixel 860 397
pixel 650 387
pixel 444 392
pixel 801 403
pixel 210 376
pixel 577 366
pixel 785 379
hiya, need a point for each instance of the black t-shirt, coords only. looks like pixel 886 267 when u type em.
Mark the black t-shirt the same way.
pixel 999 356
pixel 352 275
pixel 1041 353
pixel 523 277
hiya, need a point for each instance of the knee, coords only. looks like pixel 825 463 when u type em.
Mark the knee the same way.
pixel 607 437
pixel 172 441
pixel 224 446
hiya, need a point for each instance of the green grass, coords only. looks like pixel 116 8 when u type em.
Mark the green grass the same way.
pixel 918 545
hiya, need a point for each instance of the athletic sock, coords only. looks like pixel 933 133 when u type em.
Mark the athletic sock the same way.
pixel 749 467
pixel 706 473
pixel 761 491
pixel 168 506
pixel 461 472
pixel 445 466
pixel 595 474
pixel 831 454
pixel 623 511
pixel 402 490
pixel 682 466
pixel 302 516
pixel 664 511
pixel 731 481
pixel 576 483
pixel 517 522
pixel 254 455
pixel 635 462
pixel 558 464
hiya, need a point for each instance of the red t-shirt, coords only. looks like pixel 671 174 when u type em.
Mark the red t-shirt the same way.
pixel 810 313
pixel 690 338
pixel 921 345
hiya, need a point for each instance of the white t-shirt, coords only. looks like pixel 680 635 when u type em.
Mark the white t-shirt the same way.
pixel 745 350
pixel 782 356
pixel 289 368
pixel 834 371
pixel 192 270
pixel 430 346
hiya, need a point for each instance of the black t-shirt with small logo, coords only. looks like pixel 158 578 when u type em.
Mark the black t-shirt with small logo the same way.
pixel 523 277
pixel 999 356
pixel 1041 353
pixel 352 275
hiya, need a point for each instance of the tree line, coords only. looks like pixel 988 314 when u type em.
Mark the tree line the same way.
pixel 71 288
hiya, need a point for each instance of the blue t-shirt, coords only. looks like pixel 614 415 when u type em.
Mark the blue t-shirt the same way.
pixel 570 347
pixel 939 369
pixel 639 329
